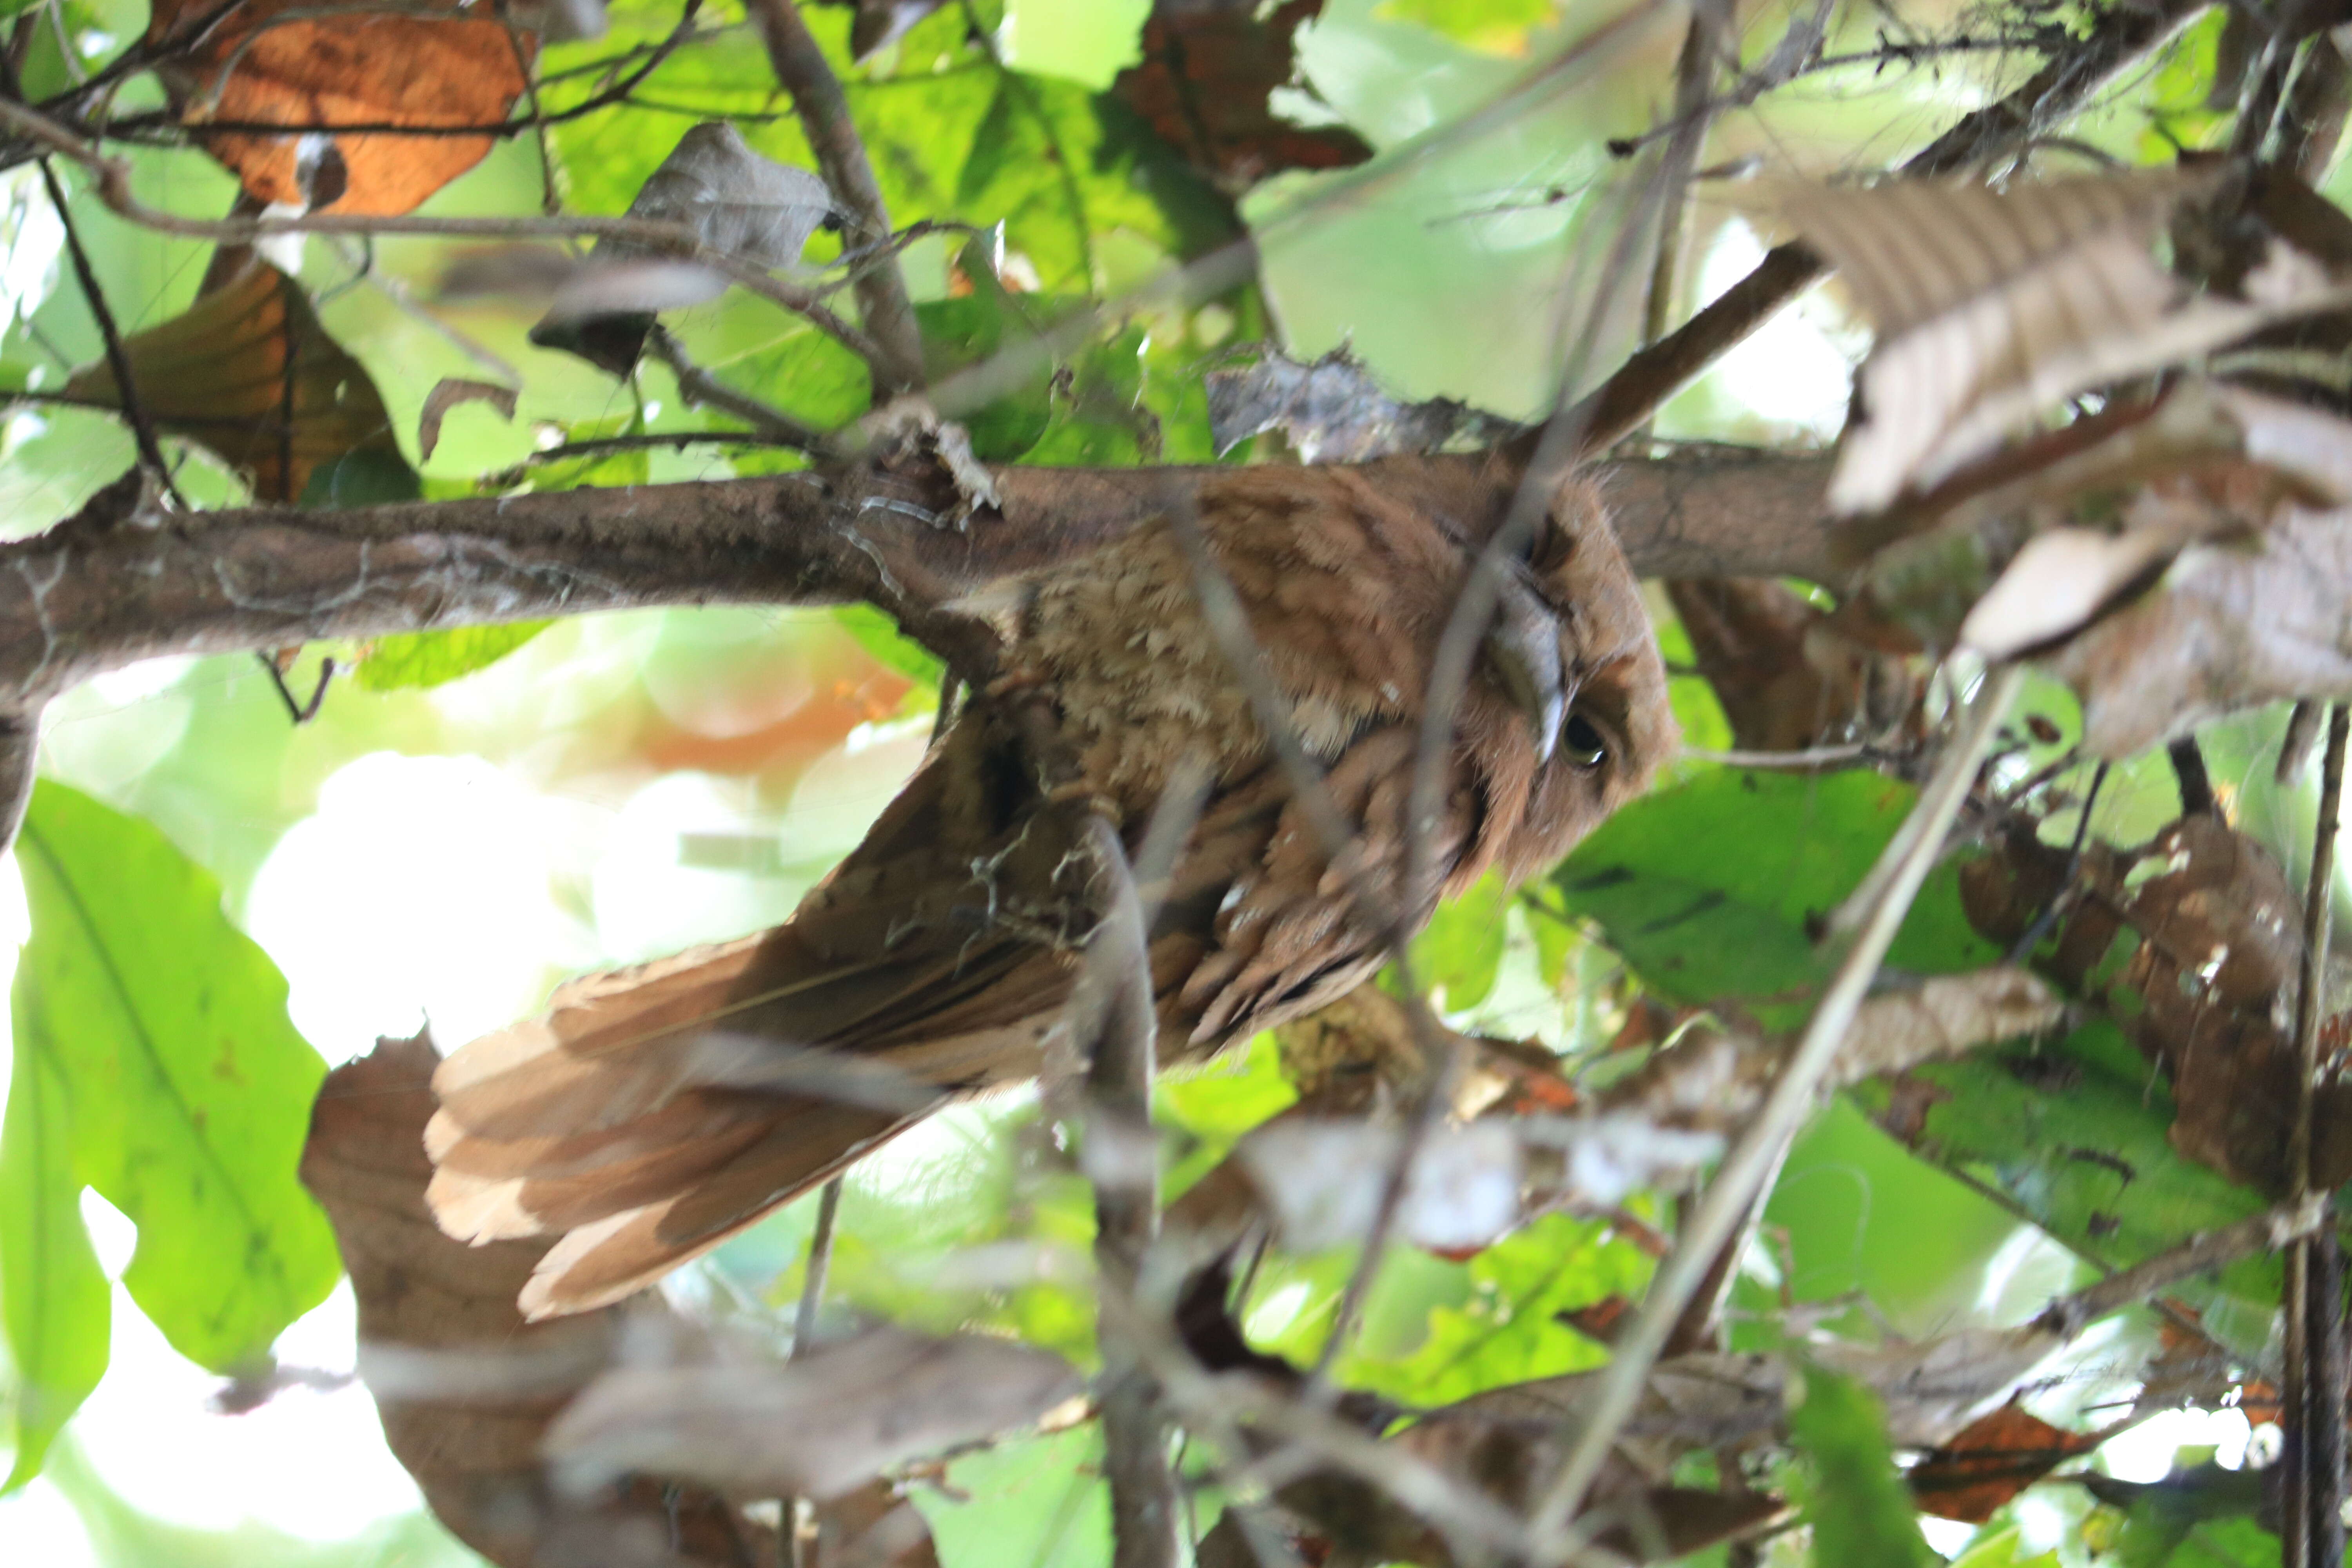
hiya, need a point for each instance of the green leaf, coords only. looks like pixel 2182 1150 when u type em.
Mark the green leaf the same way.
pixel 188 1089
pixel 1461 949
pixel 54 1300
pixel 1712 890
pixel 429 658
pixel 879 635
pixel 1508 1331
pixel 2075 1134
pixel 1859 1507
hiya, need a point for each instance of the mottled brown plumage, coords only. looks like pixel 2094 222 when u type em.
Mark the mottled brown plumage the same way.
pixel 653 1112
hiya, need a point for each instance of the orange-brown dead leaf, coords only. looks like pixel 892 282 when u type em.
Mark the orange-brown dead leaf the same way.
pixel 1204 84
pixel 467 1390
pixel 248 371
pixel 280 62
pixel 1996 1457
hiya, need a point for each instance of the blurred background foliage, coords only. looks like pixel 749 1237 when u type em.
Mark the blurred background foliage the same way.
pixel 616 786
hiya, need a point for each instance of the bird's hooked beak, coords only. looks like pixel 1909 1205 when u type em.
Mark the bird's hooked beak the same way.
pixel 1522 648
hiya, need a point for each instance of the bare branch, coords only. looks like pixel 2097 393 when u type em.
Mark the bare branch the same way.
pixel 2121 37
pixel 92 596
pixel 801 66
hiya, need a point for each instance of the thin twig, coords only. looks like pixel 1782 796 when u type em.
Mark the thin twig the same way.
pixel 112 186
pixel 820 1260
pixel 1645 381
pixel 802 71
pixel 1851 752
pixel 2312 1529
pixel 1123 1162
pixel 702 389
pixel 2268 1231
pixel 134 410
pixel 1727 1198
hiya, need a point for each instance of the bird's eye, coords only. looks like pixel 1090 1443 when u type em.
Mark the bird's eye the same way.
pixel 1581 742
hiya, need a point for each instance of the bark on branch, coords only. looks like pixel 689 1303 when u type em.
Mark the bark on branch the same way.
pixel 100 590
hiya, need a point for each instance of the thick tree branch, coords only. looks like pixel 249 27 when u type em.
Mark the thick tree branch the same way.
pixel 101 591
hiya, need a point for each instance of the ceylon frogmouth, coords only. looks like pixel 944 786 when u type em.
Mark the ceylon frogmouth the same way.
pixel 653 1112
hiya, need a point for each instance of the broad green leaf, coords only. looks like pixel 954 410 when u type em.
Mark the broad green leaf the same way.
pixel 1712 891
pixel 1461 949
pixel 1501 26
pixel 188 1090
pixel 2202 1517
pixel 879 635
pixel 1086 41
pixel 1508 1331
pixel 951 135
pixel 428 658
pixel 1859 1507
pixel 54 1300
pixel 2075 1133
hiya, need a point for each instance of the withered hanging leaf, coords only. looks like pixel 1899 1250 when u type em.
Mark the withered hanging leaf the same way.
pixel 2061 579
pixel 284 62
pixel 1993 307
pixel 2233 625
pixel 1208 72
pixel 734 199
pixel 818 1427
pixel 1333 411
pixel 1974 1475
pixel 248 371
pixel 464 1387
pixel 448 393
pixel 2190 962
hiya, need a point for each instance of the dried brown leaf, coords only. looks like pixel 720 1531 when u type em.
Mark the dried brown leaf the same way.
pixel 2233 626
pixel 448 393
pixel 248 371
pixel 1974 1475
pixel 1207 73
pixel 285 62
pixel 2192 962
pixel 466 1389
pixel 1994 307
pixel 817 1426
pixel 1332 411
pixel 734 200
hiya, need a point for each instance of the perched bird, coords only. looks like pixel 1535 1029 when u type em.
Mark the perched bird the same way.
pixel 653 1112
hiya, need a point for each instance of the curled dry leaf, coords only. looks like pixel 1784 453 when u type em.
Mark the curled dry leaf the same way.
pixel 2192 962
pixel 1205 82
pixel 447 394
pixel 818 1427
pixel 289 62
pixel 1333 411
pixel 1976 1474
pixel 466 1389
pixel 736 201
pixel 2233 626
pixel 2061 579
pixel 249 372
pixel 1993 307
